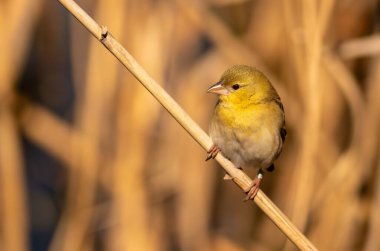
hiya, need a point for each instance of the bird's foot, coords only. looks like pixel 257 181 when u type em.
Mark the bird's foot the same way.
pixel 251 194
pixel 214 150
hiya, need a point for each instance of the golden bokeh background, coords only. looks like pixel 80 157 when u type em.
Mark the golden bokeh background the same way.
pixel 90 161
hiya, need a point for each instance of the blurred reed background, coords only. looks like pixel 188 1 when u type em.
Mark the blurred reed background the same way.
pixel 90 161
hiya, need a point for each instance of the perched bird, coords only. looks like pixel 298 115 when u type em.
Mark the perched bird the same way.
pixel 248 124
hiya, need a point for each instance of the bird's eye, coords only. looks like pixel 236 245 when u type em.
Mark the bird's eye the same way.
pixel 235 86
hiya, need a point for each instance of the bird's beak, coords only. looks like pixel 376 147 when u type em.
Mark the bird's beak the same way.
pixel 218 88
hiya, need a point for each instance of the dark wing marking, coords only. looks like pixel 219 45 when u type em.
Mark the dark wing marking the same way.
pixel 279 103
pixel 271 168
pixel 283 128
pixel 283 133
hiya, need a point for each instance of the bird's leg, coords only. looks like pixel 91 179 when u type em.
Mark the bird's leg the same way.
pixel 255 186
pixel 212 152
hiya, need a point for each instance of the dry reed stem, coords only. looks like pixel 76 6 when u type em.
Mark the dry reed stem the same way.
pixel 371 124
pixel 87 154
pixel 35 121
pixel 360 47
pixel 347 83
pixel 307 59
pixel 190 203
pixel 12 193
pixel 13 47
pixel 345 206
pixel 239 177
pixel 132 232
pixel 305 168
pixel 136 229
pixel 308 52
pixel 373 241
pixel 354 97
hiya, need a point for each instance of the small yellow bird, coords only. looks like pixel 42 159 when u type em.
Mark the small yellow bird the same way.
pixel 248 124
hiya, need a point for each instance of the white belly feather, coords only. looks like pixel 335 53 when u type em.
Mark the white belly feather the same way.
pixel 255 148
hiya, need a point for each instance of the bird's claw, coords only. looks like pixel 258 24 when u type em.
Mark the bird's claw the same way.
pixel 212 152
pixel 251 194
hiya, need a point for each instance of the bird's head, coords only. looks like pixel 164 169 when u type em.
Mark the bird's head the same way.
pixel 241 84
